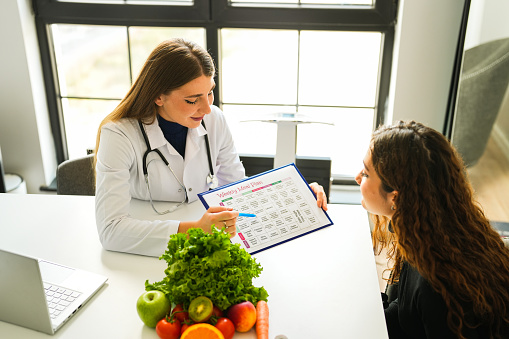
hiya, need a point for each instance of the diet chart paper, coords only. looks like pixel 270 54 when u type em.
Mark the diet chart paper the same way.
pixel 284 205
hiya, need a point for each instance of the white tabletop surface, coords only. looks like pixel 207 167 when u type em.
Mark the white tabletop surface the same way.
pixel 322 285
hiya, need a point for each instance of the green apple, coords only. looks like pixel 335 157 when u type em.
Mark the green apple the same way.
pixel 152 306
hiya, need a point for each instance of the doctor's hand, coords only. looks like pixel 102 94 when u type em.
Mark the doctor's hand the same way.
pixel 321 197
pixel 220 216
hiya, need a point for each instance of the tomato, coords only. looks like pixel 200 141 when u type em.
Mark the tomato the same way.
pixel 185 324
pixel 181 315
pixel 184 327
pixel 168 329
pixel 216 311
pixel 226 327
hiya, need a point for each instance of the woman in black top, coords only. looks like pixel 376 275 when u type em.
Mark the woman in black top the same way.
pixel 452 267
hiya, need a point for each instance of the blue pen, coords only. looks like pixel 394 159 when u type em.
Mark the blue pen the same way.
pixel 246 215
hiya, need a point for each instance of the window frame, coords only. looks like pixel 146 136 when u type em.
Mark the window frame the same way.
pixel 212 15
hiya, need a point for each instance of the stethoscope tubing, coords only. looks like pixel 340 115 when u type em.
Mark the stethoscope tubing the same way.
pixel 211 175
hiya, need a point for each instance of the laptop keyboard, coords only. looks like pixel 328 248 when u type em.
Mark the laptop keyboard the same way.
pixel 59 298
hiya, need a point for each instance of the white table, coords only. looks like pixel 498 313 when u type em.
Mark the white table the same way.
pixel 322 285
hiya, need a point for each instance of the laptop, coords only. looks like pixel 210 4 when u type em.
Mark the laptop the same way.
pixel 41 295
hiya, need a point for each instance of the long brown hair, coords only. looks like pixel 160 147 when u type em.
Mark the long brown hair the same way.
pixel 438 226
pixel 172 64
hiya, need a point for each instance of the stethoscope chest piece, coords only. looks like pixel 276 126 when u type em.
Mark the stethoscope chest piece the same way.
pixel 212 181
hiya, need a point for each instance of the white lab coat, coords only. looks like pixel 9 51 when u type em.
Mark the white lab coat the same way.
pixel 120 177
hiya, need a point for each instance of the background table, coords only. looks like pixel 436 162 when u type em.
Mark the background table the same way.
pixel 322 285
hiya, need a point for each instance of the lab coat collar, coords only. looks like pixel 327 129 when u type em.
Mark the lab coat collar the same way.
pixel 157 139
pixel 155 135
pixel 193 135
pixel 200 130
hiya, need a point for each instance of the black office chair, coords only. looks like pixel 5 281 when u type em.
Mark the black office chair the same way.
pixel 76 176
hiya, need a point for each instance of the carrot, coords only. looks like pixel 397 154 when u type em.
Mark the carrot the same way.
pixel 262 320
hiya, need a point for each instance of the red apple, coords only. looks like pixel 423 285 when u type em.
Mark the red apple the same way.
pixel 243 316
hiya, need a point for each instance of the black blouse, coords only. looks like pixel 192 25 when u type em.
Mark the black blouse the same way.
pixel 420 312
pixel 175 133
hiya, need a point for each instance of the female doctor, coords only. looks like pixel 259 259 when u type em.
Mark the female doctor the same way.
pixel 165 141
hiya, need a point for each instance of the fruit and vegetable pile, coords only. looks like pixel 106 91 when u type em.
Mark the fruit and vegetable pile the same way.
pixel 209 282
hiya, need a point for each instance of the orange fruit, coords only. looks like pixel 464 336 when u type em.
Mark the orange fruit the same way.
pixel 202 331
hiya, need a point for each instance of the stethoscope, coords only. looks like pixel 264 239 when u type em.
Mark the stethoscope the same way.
pixel 211 178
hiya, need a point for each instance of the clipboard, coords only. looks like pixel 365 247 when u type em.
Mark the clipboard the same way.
pixel 284 205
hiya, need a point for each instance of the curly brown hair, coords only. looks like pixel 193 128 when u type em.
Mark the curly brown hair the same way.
pixel 439 228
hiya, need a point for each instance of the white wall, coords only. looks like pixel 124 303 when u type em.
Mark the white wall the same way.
pixel 25 137
pixel 425 44
pixel 487 21
pixel 474 26
pixel 495 23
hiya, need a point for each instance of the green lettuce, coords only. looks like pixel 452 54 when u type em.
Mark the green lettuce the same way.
pixel 203 264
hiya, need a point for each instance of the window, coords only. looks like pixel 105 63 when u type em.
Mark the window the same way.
pixel 324 60
pixel 135 2
pixel 96 65
pixel 326 76
pixel 304 2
